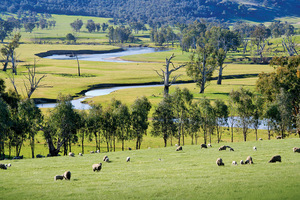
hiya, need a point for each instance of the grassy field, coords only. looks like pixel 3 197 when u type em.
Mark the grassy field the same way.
pixel 188 174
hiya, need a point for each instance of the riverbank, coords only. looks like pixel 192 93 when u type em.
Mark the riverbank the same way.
pixel 71 53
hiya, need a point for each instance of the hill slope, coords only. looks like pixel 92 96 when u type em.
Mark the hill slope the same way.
pixel 171 11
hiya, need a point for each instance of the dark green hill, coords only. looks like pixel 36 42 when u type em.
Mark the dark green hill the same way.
pixel 162 11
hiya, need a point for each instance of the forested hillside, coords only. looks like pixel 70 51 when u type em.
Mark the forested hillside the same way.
pixel 162 11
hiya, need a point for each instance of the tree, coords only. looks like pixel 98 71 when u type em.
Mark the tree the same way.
pixel 139 112
pixel 221 113
pixel 259 38
pixel 83 130
pixel 258 104
pixel 29 26
pixel 70 37
pixel 33 80
pixel 207 117
pixel 90 26
pixel 285 79
pixel 5 29
pixel 31 118
pixel 165 74
pixel 61 126
pixel 244 30
pixel 222 40
pixel 194 121
pixel 77 25
pixel 123 118
pixel 5 124
pixel 8 51
pixel 104 26
pixel 202 64
pixel 181 100
pixel 94 123
pixel 243 101
pixel 164 120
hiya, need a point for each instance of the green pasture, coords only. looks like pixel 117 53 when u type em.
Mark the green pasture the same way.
pixel 161 173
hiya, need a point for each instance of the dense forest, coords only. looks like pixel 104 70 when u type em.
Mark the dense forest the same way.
pixel 160 11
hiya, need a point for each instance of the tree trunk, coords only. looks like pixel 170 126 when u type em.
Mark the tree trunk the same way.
pixel 256 134
pixel 107 146
pixel 122 144
pixel 220 77
pixel 32 146
pixel 82 145
pixel 269 133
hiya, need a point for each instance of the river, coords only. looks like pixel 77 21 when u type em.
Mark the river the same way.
pixel 109 57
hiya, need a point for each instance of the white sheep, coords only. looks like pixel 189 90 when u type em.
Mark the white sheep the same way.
pixel 58 177
pixel 8 165
pixel 254 148
pixel 105 158
pixel 241 162
pixel 127 159
pixel 80 154
pixel 234 163
pixel 97 167
pixel 71 154
pixel 209 145
pixel 98 151
pixel 92 152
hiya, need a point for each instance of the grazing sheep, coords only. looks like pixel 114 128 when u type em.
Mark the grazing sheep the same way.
pixel 231 149
pixel 129 149
pixel 219 162
pixel 105 159
pixel 98 151
pixel 58 177
pixel 260 139
pixel 80 154
pixel 2 166
pixel 209 145
pixel 254 148
pixel 67 175
pixel 274 159
pixel 278 137
pixel 97 167
pixel 295 149
pixel 179 148
pixel 234 163
pixel 71 154
pixel 249 160
pixel 127 159
pixel 8 165
pixel 241 162
pixel 92 152
pixel 203 146
pixel 222 148
pixel 40 156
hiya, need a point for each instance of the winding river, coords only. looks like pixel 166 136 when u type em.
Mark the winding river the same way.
pixel 105 57
pixel 109 57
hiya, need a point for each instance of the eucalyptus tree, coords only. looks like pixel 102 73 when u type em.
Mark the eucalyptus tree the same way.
pixel 242 99
pixel 202 64
pixel 83 130
pixel 182 100
pixel 77 25
pixel 90 26
pixel 31 119
pixel 207 117
pixel 223 40
pixel 139 112
pixel 194 121
pixel 259 38
pixel 61 126
pixel 109 126
pixel 244 30
pixel 94 123
pixel 164 121
pixel 123 117
pixel 221 116
pixel 5 124
pixel 258 103
pixel 286 80
pixel 8 52
pixel 271 116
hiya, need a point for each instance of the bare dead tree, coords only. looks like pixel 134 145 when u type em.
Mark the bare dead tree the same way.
pixel 289 44
pixel 11 77
pixel 34 81
pixel 165 74
pixel 77 63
